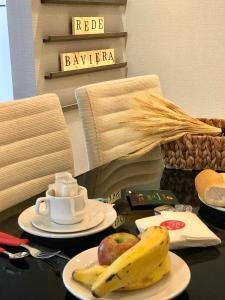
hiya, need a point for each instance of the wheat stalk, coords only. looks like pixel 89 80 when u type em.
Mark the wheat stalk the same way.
pixel 159 121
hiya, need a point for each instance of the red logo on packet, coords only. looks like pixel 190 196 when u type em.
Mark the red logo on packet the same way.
pixel 173 224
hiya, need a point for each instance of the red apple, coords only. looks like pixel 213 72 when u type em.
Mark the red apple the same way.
pixel 112 246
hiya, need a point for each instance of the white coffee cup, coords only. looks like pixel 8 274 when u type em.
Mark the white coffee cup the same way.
pixel 63 210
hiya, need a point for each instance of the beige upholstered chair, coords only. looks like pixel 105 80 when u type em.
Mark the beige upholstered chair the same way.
pixel 34 145
pixel 102 107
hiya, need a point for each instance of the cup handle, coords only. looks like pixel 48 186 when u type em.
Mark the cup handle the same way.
pixel 47 207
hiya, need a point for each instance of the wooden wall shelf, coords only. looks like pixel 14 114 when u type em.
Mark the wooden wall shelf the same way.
pixel 86 2
pixel 64 38
pixel 69 107
pixel 53 75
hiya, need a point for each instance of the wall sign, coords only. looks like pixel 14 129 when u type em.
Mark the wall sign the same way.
pixel 87 59
pixel 87 25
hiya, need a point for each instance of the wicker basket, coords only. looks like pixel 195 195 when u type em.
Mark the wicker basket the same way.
pixel 196 152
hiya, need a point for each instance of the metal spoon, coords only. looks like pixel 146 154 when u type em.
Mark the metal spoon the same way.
pixel 14 255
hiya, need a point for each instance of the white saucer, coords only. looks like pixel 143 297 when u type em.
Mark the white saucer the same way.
pixel 91 219
pixel 109 213
pixel 212 206
pixel 167 288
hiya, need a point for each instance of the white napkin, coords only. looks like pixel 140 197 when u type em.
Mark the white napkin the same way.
pixel 194 233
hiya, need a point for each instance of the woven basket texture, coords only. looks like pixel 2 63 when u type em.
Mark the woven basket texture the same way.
pixel 196 152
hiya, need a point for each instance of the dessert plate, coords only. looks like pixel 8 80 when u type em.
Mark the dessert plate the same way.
pixel 212 206
pixel 167 288
pixel 91 219
pixel 109 213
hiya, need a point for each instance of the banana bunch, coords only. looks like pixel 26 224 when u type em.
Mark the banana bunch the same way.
pixel 88 276
pixel 140 266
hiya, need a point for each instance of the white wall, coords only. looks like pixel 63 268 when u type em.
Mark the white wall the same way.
pixel 21 48
pixel 183 41
pixel 6 90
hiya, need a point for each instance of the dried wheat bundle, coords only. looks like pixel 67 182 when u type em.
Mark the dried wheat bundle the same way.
pixel 160 121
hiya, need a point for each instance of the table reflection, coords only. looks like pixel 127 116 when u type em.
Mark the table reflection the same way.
pixel 124 173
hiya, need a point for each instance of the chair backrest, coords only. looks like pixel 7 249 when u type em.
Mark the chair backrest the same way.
pixel 102 107
pixel 34 145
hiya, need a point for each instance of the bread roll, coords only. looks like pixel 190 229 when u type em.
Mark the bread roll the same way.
pixel 210 186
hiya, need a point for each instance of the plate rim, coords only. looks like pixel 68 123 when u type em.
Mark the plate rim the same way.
pixel 94 249
pixel 212 206
pixel 110 217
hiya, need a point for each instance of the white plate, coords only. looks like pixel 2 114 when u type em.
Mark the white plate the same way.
pixel 167 288
pixel 212 206
pixel 26 217
pixel 91 219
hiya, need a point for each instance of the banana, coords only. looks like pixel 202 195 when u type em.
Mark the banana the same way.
pixel 136 263
pixel 150 278
pixel 88 276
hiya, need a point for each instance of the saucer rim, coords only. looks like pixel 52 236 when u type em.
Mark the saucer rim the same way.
pixel 48 229
pixel 24 222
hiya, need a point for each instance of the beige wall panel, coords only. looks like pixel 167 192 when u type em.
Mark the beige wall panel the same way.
pixel 57 20
pixel 50 62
